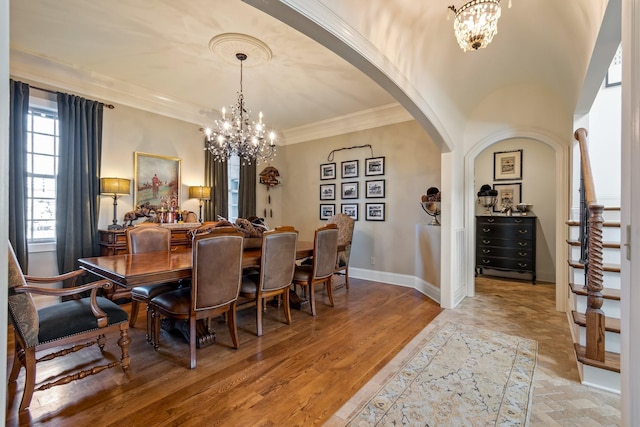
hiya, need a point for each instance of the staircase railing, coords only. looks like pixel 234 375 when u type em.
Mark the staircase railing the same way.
pixel 591 251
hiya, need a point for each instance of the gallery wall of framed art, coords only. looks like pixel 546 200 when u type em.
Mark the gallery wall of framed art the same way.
pixel 353 185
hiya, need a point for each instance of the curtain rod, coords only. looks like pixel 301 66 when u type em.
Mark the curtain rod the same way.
pixel 109 106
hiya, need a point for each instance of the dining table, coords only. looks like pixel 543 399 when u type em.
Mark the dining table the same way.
pixel 126 271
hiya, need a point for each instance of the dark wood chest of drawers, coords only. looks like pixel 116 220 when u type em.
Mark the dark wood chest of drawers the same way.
pixel 506 243
pixel 114 242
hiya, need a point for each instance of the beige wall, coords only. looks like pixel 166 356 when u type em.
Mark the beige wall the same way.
pixel 538 189
pixel 412 164
pixel 127 130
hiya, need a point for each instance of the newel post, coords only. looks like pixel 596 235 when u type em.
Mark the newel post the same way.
pixel 595 316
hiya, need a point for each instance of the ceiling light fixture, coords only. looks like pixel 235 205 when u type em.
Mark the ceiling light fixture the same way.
pixel 476 23
pixel 237 135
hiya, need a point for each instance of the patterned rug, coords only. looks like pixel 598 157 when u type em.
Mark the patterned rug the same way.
pixel 463 376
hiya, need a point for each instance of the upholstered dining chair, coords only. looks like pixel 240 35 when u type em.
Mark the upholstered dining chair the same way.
pixel 215 286
pixel 82 322
pixel 275 275
pixel 141 239
pixel 325 248
pixel 345 225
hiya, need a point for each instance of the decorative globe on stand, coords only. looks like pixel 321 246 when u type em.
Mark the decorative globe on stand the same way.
pixel 487 198
pixel 431 204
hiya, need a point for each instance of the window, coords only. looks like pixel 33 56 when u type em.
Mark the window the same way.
pixel 233 171
pixel 42 167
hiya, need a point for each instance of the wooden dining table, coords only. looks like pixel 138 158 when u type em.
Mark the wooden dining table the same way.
pixel 129 270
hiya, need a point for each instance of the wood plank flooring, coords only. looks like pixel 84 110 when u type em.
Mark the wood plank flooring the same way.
pixel 292 375
pixel 304 373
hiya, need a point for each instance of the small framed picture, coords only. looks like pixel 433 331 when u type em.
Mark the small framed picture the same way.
pixel 350 190
pixel 350 169
pixel 507 165
pixel 327 211
pixel 327 192
pixel 508 194
pixel 375 211
pixel 328 171
pixel 375 189
pixel 374 166
pixel 350 209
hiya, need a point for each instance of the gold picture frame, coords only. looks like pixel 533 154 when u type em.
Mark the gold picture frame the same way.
pixel 157 180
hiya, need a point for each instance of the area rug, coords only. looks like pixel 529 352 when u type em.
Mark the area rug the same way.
pixel 463 376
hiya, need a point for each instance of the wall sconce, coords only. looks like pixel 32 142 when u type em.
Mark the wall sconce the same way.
pixel 201 193
pixel 115 187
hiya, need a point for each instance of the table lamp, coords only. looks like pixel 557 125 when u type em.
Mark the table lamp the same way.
pixel 201 193
pixel 115 187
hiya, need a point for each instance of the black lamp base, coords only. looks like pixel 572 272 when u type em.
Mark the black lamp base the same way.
pixel 115 227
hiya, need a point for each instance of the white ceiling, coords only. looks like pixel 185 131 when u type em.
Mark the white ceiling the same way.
pixel 158 49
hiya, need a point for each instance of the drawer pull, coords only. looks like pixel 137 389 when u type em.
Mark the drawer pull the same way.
pixel 486 261
pixel 522 244
pixel 523 231
pixel 490 220
pixel 486 242
pixel 522 253
pixel 522 264
pixel 518 221
pixel 486 251
pixel 486 230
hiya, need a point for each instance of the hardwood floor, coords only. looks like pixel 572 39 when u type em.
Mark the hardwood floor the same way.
pixel 303 374
pixel 292 375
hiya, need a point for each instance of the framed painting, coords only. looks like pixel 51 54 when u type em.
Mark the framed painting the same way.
pixel 375 211
pixel 375 189
pixel 350 190
pixel 327 192
pixel 374 166
pixel 350 209
pixel 507 194
pixel 157 180
pixel 328 171
pixel 327 211
pixel 350 169
pixel 507 165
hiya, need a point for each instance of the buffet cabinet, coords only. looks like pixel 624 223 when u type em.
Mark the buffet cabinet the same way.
pixel 506 243
pixel 114 242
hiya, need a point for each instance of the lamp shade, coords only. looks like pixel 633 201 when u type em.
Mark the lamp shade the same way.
pixel 115 186
pixel 200 192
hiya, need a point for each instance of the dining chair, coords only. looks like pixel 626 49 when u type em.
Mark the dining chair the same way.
pixel 345 225
pixel 80 322
pixel 215 286
pixel 325 248
pixel 141 239
pixel 275 275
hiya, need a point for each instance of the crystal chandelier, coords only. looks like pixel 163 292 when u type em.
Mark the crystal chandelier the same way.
pixel 237 135
pixel 476 23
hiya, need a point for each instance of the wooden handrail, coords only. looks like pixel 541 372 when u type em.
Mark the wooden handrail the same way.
pixel 587 175
pixel 595 318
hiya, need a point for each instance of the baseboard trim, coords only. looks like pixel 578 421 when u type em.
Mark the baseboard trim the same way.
pixel 396 279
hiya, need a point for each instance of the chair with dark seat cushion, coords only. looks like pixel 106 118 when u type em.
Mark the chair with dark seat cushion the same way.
pixel 345 225
pixel 215 286
pixel 275 275
pixel 141 239
pixel 82 322
pixel 325 248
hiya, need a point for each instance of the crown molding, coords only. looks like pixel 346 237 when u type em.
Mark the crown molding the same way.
pixel 368 119
pixel 48 74
pixel 57 76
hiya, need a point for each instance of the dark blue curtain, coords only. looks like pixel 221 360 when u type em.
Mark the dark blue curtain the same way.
pixel 17 209
pixel 247 190
pixel 215 176
pixel 78 182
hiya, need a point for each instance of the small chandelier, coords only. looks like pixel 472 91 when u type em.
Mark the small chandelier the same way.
pixel 476 23
pixel 237 135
